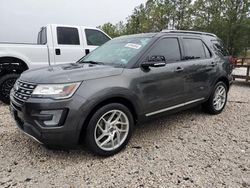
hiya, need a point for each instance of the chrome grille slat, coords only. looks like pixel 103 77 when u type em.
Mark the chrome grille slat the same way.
pixel 24 94
pixel 26 88
pixel 22 91
pixel 19 99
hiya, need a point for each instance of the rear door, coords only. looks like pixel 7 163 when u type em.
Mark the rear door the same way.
pixel 67 44
pixel 93 38
pixel 200 68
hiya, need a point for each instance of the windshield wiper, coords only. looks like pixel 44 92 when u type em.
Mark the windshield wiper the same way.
pixel 101 63
pixel 92 62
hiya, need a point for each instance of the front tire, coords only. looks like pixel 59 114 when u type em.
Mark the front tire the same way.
pixel 109 129
pixel 218 99
pixel 6 84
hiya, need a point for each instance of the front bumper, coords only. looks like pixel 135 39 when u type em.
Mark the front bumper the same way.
pixel 65 135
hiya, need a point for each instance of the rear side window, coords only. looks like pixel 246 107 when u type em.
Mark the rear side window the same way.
pixel 169 48
pixel 68 36
pixel 95 37
pixel 220 47
pixel 207 52
pixel 42 36
pixel 195 49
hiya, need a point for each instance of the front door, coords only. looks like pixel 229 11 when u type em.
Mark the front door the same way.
pixel 93 38
pixel 163 87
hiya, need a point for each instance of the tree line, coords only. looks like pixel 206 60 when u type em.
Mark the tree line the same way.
pixel 228 19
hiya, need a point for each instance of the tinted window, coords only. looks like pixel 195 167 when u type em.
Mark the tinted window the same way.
pixel 95 37
pixel 68 36
pixel 220 47
pixel 194 49
pixel 207 52
pixel 169 48
pixel 42 36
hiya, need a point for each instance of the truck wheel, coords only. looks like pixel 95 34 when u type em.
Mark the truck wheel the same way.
pixel 218 99
pixel 6 84
pixel 109 129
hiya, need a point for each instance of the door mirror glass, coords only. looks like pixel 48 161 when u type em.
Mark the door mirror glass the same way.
pixel 154 61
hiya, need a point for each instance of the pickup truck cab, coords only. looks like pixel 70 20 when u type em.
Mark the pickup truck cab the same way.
pixel 56 44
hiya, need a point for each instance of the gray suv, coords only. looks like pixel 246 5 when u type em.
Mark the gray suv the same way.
pixel 99 99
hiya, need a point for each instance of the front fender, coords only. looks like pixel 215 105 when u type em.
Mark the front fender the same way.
pixel 105 95
pixel 117 92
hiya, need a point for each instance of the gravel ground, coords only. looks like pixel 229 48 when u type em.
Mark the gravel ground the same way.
pixel 189 149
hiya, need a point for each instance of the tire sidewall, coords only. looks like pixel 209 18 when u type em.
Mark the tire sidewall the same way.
pixel 213 95
pixel 90 136
pixel 3 79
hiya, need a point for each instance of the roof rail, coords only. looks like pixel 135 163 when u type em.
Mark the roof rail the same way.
pixel 188 32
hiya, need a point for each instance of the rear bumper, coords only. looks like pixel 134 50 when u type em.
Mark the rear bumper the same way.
pixel 65 135
pixel 230 79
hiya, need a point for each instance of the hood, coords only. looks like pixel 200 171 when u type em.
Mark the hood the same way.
pixel 67 73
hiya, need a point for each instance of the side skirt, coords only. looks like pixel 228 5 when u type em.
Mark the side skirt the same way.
pixel 174 107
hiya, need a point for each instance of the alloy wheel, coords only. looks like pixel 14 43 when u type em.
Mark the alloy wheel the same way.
pixel 111 130
pixel 219 99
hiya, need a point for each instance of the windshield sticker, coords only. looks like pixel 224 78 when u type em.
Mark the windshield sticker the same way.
pixel 132 45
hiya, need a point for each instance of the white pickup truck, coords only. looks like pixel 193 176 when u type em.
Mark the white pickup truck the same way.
pixel 56 44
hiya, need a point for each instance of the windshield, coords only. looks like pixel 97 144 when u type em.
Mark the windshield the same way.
pixel 117 51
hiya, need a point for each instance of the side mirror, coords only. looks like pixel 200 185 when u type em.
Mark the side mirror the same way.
pixel 154 61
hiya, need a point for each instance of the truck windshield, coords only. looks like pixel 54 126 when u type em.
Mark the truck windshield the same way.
pixel 117 51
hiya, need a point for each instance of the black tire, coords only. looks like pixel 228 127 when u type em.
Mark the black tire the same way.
pixel 209 107
pixel 90 141
pixel 6 84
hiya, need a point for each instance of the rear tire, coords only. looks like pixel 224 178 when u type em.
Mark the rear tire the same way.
pixel 109 129
pixel 217 100
pixel 6 84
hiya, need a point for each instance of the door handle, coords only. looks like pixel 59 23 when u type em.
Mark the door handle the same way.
pixel 213 64
pixel 58 51
pixel 178 69
pixel 87 51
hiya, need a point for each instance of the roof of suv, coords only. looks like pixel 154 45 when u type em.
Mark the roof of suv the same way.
pixel 172 32
pixel 189 32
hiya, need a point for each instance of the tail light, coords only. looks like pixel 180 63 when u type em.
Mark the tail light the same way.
pixel 233 60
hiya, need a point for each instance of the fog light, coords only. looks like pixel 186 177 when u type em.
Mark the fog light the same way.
pixel 56 117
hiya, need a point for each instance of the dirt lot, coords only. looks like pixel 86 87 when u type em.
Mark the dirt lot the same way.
pixel 190 149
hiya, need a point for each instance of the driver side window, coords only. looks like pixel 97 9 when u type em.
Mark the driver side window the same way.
pixel 169 48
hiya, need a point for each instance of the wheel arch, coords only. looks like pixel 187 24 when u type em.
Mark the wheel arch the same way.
pixel 223 79
pixel 115 99
pixel 9 64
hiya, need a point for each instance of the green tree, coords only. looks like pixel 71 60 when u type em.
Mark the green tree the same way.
pixel 181 14
pixel 228 19
pixel 110 29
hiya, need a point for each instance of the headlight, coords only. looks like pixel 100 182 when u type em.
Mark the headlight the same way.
pixel 55 91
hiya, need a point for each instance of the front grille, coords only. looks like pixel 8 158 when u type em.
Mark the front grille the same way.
pixel 22 91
